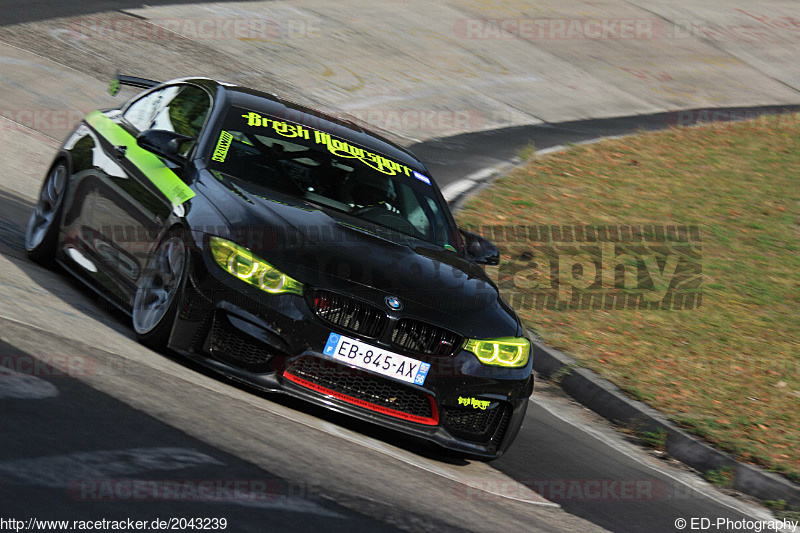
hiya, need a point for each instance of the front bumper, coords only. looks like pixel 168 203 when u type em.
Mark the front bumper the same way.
pixel 275 342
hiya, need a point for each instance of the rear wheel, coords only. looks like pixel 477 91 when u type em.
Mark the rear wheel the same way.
pixel 41 235
pixel 157 292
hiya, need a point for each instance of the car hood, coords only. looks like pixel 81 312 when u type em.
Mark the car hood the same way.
pixel 326 249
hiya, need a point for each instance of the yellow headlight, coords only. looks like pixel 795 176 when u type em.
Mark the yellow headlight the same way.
pixel 506 351
pixel 248 267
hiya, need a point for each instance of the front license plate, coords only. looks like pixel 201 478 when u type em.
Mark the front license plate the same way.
pixel 368 357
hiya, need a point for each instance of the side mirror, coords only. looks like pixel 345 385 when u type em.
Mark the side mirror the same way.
pixel 164 143
pixel 481 250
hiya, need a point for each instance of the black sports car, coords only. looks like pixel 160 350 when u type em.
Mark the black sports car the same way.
pixel 292 250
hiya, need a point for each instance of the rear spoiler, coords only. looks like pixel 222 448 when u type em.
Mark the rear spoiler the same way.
pixel 121 79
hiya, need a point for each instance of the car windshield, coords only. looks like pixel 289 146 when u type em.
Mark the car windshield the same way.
pixel 322 169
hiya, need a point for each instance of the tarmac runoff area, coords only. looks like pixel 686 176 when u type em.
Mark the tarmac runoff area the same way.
pixel 419 71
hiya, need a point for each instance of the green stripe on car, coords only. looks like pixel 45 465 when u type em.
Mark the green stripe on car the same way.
pixel 148 163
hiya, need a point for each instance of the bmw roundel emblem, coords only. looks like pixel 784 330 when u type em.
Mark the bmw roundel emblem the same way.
pixel 393 303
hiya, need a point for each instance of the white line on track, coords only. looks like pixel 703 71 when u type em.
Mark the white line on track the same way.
pixel 29 130
pixel 457 188
pixel 468 182
pixel 465 185
pixel 14 385
pixel 70 470
pixel 58 471
pixel 550 150
pixel 689 480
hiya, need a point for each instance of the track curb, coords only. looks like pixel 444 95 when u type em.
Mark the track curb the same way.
pixel 608 400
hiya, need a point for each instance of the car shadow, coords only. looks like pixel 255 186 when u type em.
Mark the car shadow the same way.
pixel 14 213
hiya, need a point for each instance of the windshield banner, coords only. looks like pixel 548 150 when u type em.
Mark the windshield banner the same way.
pixel 335 146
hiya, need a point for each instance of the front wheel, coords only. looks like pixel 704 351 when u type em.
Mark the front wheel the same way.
pixel 157 293
pixel 41 235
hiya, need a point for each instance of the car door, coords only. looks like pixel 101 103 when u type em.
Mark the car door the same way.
pixel 147 194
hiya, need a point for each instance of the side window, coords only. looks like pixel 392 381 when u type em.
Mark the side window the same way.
pixel 428 219
pixel 185 114
pixel 142 112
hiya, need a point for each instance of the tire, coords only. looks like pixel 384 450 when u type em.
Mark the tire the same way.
pixel 158 292
pixel 41 234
